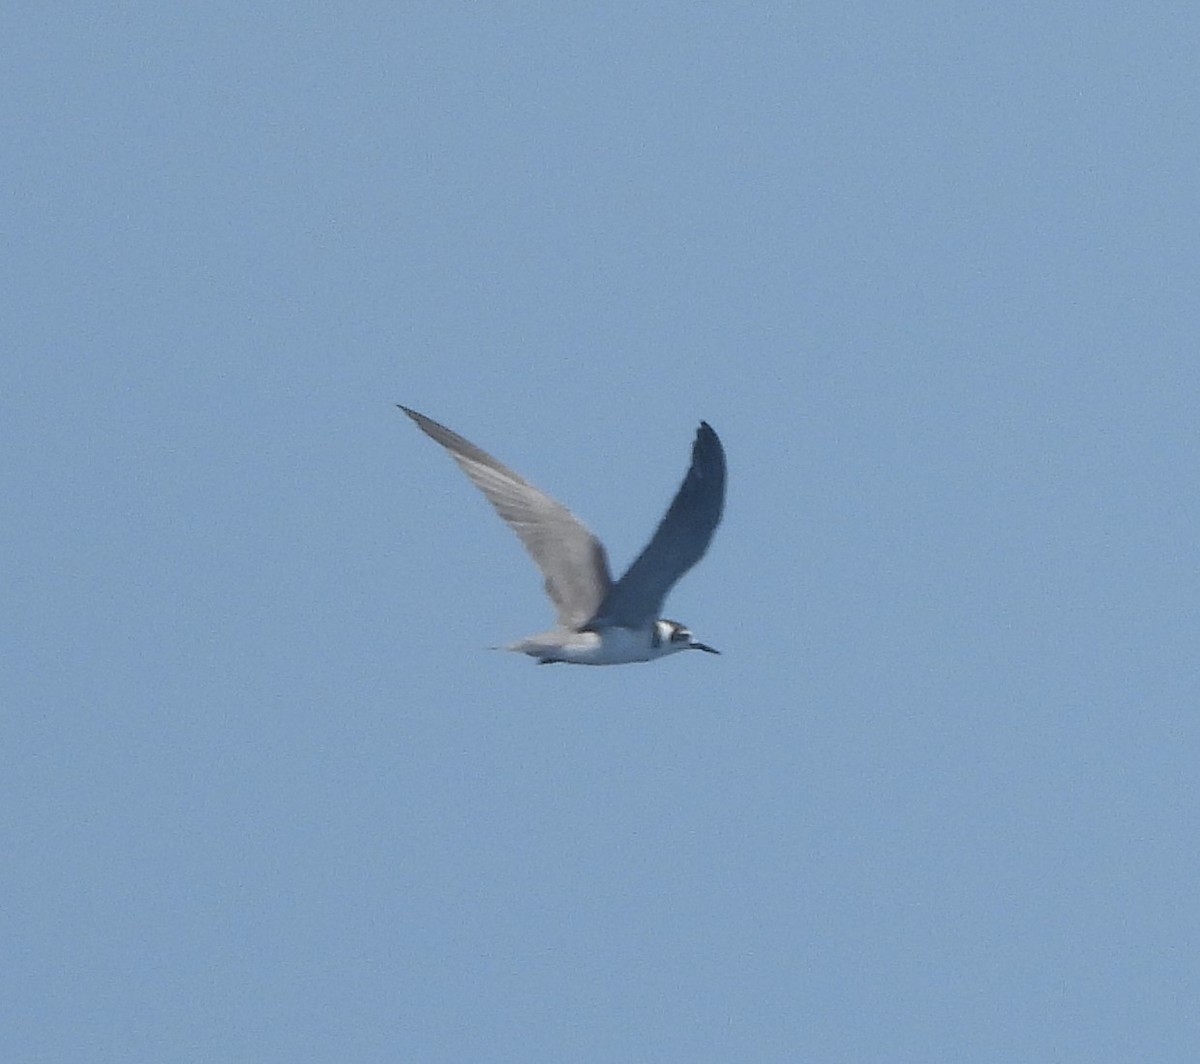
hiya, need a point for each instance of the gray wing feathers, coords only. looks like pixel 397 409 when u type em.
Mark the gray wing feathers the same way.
pixel 678 543
pixel 569 556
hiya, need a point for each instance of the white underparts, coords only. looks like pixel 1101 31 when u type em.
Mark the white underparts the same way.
pixel 608 646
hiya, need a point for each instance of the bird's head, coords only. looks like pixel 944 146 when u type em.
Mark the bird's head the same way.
pixel 670 636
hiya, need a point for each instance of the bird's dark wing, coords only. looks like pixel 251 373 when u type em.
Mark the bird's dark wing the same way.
pixel 679 542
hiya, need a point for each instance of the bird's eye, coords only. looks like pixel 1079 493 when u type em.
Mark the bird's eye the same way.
pixel 680 635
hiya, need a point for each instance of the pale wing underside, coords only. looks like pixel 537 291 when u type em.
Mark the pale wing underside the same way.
pixel 678 543
pixel 569 556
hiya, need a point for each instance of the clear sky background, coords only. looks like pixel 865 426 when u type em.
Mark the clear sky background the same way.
pixel 931 270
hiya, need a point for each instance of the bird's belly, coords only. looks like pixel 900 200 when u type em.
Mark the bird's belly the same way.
pixel 609 646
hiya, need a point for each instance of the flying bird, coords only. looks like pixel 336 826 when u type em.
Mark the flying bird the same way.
pixel 601 622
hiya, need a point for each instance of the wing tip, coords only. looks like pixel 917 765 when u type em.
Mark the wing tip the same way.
pixel 708 444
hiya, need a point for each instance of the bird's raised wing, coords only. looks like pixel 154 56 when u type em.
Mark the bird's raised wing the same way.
pixel 569 556
pixel 678 543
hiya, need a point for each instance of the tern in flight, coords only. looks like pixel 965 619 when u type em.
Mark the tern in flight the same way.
pixel 601 622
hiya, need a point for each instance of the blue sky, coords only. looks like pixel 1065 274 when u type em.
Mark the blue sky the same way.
pixel 931 273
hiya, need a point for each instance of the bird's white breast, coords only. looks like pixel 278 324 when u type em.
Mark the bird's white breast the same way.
pixel 609 646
